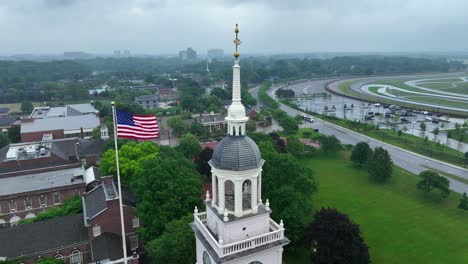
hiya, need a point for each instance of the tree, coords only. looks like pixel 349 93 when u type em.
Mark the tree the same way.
pixel 168 188
pixel 199 130
pixel 3 140
pixel 189 146
pixel 361 153
pixel 289 125
pixel 131 155
pixel 400 133
pixel 466 157
pixel 177 124
pixel 288 185
pixel 295 147
pixel 436 132
pixel 334 238
pixel 201 161
pixel 463 205
pixel 422 126
pixel 27 107
pixel 176 244
pixel 380 165
pixel 329 144
pixel 432 180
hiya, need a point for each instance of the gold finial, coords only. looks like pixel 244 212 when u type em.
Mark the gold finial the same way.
pixel 237 42
pixel 113 103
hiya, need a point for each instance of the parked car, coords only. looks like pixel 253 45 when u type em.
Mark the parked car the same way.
pixel 427 118
pixel 392 107
pixel 377 105
pixel 404 120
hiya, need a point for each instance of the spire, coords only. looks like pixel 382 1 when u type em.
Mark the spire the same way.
pixel 236 113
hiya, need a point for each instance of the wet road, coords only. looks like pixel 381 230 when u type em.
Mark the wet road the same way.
pixel 410 161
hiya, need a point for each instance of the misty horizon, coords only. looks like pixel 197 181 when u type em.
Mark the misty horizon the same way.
pixel 159 27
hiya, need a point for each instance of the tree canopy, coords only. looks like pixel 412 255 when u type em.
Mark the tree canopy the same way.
pixel 334 238
pixel 189 146
pixel 432 180
pixel 361 153
pixel 380 165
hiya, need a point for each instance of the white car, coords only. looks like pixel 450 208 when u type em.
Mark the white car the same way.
pixel 377 105
pixel 428 118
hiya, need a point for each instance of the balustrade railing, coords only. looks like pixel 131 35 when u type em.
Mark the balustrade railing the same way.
pixel 276 233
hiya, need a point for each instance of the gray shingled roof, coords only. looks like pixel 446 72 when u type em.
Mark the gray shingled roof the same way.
pixel 236 153
pixel 95 202
pixel 107 246
pixel 66 123
pixel 29 238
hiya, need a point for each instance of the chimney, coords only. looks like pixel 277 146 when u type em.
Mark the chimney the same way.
pixel 77 150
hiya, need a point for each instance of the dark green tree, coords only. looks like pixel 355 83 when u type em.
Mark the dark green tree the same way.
pixel 288 185
pixel 189 146
pixel 432 180
pixel 201 161
pixel 177 125
pixel 3 140
pixel 199 130
pixel 334 238
pixel 27 107
pixel 168 188
pixel 176 244
pixel 380 165
pixel 329 144
pixel 463 205
pixel 289 125
pixel 50 261
pixel 295 147
pixel 361 153
pixel 422 126
pixel 14 134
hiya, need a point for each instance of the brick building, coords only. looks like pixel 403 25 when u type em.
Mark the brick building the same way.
pixel 91 237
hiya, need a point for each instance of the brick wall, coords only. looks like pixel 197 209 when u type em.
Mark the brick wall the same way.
pixel 37 136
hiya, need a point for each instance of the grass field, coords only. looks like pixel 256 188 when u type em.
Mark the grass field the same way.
pixel 437 101
pixel 16 107
pixel 397 222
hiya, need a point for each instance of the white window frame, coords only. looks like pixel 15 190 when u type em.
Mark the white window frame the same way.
pixel 59 199
pixel 45 200
pixel 136 221
pixel 59 256
pixel 96 230
pixel 76 257
pixel 133 242
pixel 12 210
pixel 26 203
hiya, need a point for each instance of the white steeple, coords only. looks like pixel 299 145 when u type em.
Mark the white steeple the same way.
pixel 236 227
pixel 236 118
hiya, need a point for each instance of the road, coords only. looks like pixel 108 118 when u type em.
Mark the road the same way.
pixel 407 160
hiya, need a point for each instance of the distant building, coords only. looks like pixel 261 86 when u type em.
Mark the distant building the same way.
pixel 126 53
pixel 148 101
pixel 6 121
pixel 77 120
pixel 189 54
pixel 117 53
pixel 76 55
pixel 212 121
pixel 217 54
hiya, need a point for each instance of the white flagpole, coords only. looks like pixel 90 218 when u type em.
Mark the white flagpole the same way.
pixel 122 224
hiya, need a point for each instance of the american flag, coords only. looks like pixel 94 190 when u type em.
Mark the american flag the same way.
pixel 143 127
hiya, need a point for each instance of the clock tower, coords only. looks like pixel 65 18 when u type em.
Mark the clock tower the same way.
pixel 236 227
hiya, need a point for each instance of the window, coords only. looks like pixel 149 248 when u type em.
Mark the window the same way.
pixel 13 207
pixel 136 222
pixel 59 256
pixel 28 203
pixel 133 242
pixel 56 197
pixel 96 230
pixel 76 257
pixel 43 201
pixel 206 258
pixel 255 262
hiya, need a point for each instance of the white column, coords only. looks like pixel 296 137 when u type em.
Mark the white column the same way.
pixel 238 198
pixel 259 194
pixel 221 195
pixel 214 194
pixel 253 194
pixel 280 255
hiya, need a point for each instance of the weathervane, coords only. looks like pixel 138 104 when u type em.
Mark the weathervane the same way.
pixel 237 42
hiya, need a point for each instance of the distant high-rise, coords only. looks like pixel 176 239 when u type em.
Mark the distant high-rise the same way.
pixel 188 54
pixel 117 53
pixel 126 53
pixel 217 54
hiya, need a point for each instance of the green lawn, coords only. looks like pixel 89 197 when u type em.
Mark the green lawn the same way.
pixel 398 224
pixel 438 101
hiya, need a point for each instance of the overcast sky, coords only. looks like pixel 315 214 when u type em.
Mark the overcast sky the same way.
pixel 266 26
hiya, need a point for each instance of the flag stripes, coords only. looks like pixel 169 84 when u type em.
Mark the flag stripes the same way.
pixel 143 127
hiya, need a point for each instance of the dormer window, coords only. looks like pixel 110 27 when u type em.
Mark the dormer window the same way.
pixel 28 203
pixel 13 207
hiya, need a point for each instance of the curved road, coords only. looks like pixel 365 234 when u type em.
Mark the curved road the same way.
pixel 407 160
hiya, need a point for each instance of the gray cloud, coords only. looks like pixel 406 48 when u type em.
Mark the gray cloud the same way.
pixel 164 26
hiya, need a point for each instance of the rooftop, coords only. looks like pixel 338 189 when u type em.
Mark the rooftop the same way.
pixel 35 237
pixel 62 111
pixel 66 123
pixel 146 97
pixel 40 181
